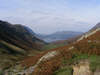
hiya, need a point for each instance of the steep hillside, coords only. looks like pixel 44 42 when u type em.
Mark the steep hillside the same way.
pixel 63 35
pixel 86 48
pixel 16 42
pixel 60 60
pixel 19 35
pixel 96 26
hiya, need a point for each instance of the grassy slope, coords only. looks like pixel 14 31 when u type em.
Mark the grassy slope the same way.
pixel 94 64
pixel 7 60
pixel 88 48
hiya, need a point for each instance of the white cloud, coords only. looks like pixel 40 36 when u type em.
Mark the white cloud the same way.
pixel 49 16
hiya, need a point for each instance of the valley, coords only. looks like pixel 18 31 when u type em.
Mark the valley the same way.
pixel 49 37
pixel 24 53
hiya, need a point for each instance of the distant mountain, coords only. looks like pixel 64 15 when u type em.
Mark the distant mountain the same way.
pixel 63 35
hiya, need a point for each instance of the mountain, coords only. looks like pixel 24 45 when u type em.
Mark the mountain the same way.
pixel 79 57
pixel 87 47
pixel 82 55
pixel 62 35
pixel 19 35
pixel 16 41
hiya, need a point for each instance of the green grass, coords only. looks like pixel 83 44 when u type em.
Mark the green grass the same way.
pixel 94 60
pixel 7 59
pixel 13 47
pixel 64 71
pixel 52 46
pixel 78 57
pixel 94 63
pixel 1 73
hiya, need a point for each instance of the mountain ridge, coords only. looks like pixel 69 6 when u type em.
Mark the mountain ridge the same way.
pixel 95 27
pixel 16 42
pixel 60 35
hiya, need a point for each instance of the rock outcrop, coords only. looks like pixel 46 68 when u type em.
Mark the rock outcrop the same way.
pixel 82 68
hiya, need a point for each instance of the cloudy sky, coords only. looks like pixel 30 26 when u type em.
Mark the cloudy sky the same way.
pixel 48 16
